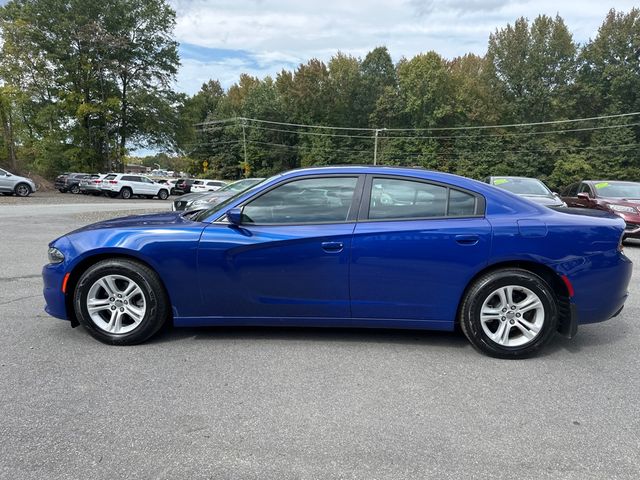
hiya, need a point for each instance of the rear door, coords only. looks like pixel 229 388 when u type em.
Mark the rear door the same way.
pixel 290 256
pixel 415 248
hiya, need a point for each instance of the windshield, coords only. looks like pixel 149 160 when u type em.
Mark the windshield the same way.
pixel 522 186
pixel 248 186
pixel 618 189
pixel 240 185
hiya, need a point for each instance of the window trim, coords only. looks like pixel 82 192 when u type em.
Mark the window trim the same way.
pixel 365 204
pixel 353 209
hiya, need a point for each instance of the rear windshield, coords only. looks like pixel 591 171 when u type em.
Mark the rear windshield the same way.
pixel 111 176
pixel 522 186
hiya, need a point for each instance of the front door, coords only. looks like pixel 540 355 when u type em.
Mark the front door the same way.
pixel 415 249
pixel 290 256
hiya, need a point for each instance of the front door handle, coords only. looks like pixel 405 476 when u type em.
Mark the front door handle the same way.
pixel 467 239
pixel 332 247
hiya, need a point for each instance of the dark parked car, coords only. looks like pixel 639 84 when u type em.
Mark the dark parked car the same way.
pixel 70 182
pixel 183 185
pixel 530 188
pixel 618 197
pixel 374 247
pixel 193 201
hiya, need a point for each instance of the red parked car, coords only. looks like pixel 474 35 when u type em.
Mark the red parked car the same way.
pixel 621 198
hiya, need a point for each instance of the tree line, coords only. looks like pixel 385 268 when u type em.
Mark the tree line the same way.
pixel 83 85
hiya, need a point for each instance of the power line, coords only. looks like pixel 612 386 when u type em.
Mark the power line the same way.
pixel 432 137
pixel 431 129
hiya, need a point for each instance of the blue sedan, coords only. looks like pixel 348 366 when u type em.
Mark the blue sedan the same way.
pixel 349 247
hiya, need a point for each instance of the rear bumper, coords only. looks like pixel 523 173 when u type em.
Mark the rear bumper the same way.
pixel 601 287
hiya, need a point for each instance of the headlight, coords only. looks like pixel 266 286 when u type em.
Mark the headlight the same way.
pixel 622 209
pixel 55 255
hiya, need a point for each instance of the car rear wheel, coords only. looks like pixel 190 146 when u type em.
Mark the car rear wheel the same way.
pixel 163 194
pixel 510 313
pixel 22 190
pixel 75 189
pixel 121 302
pixel 126 193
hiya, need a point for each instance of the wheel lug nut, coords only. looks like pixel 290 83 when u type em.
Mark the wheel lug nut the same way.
pixel 513 307
pixel 517 314
pixel 113 307
pixel 512 321
pixel 127 303
pixel 111 299
pixel 122 309
pixel 503 318
pixel 504 309
pixel 120 296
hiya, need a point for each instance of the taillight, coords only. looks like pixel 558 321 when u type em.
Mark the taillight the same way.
pixel 113 182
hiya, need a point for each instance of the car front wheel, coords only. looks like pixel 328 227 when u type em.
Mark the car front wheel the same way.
pixel 163 194
pixel 121 302
pixel 22 190
pixel 510 313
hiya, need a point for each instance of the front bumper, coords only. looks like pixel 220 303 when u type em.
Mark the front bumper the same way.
pixel 52 277
pixel 631 230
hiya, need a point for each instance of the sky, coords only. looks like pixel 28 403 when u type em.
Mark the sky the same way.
pixel 220 39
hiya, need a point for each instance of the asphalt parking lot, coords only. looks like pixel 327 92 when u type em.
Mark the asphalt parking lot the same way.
pixel 257 403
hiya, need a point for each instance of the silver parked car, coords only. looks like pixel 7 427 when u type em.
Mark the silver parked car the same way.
pixel 11 184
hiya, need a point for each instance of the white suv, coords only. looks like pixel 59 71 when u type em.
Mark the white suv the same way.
pixel 200 186
pixel 127 185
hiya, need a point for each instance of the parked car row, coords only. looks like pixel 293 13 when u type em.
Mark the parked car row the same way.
pixel 128 185
pixel 621 198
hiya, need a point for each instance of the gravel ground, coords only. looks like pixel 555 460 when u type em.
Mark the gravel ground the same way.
pixel 257 403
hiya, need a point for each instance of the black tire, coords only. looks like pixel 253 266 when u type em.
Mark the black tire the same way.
pixel 126 193
pixel 22 190
pixel 75 189
pixel 157 303
pixel 173 192
pixel 163 194
pixel 62 190
pixel 481 290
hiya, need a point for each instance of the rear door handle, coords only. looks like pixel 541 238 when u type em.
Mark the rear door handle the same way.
pixel 332 247
pixel 467 239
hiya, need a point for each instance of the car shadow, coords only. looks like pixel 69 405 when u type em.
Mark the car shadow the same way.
pixel 427 338
pixel 587 338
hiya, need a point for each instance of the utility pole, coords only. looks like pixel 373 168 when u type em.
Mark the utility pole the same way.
pixel 244 146
pixel 375 144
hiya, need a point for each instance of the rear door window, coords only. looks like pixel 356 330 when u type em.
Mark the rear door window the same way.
pixel 393 198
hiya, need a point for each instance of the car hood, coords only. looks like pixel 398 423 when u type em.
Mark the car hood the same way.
pixel 630 202
pixel 150 220
pixel 547 200
pixel 20 178
pixel 190 197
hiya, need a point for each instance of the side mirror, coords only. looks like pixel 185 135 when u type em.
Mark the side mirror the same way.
pixel 234 216
pixel 584 196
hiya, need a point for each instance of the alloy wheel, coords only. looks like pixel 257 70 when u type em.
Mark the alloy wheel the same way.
pixel 512 316
pixel 116 304
pixel 22 190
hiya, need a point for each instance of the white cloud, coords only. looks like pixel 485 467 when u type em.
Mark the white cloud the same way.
pixel 282 33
